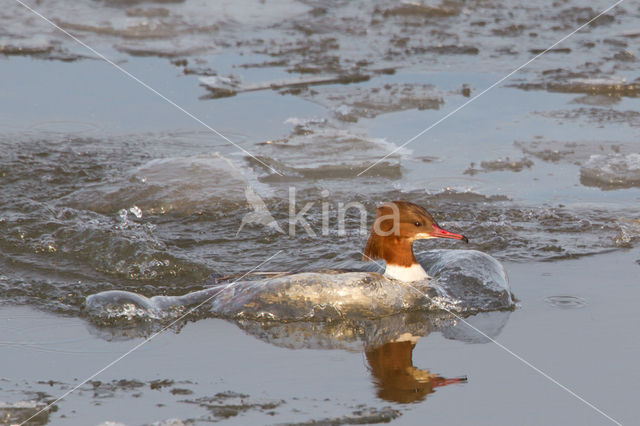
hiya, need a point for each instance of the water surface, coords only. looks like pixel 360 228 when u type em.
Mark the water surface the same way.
pixel 105 186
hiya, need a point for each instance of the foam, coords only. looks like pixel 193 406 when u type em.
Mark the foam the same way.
pixel 465 281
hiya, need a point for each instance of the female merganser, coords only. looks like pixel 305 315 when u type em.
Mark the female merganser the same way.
pixel 397 225
pixel 477 282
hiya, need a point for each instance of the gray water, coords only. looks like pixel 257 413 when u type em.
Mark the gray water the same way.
pixel 105 186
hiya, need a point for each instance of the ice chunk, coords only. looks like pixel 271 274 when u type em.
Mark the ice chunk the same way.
pixel 612 171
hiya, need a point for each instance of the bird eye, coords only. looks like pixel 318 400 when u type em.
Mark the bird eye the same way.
pixel 417 223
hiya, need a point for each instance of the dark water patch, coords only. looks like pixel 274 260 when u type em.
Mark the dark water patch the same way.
pixel 575 152
pixel 598 100
pixel 599 116
pixel 204 72
pixel 447 49
pixel 615 42
pixel 150 12
pixel 500 165
pixel 582 15
pixel 160 383
pixel 509 30
pixel 104 390
pixel 110 389
pixel 228 404
pixel 167 51
pixel 219 87
pixel 569 82
pixel 550 151
pixel 546 50
pixel 38 48
pixel 624 56
pixel 414 10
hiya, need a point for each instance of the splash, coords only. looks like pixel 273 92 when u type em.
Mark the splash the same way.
pixel 181 185
pixel 465 281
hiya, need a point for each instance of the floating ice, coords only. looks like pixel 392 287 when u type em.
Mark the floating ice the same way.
pixel 612 171
pixel 22 411
pixel 317 149
pixel 221 86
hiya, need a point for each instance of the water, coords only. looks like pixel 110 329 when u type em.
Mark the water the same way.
pixel 106 187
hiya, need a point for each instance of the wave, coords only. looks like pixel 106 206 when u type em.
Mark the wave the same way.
pixel 464 281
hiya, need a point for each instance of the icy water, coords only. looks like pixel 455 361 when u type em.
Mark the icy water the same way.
pixel 104 185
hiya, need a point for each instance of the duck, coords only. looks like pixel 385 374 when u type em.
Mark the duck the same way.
pixel 396 226
pixel 345 293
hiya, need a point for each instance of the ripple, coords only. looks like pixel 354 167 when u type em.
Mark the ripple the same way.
pixel 67 126
pixel 566 302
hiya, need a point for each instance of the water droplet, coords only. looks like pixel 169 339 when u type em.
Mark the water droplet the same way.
pixel 136 211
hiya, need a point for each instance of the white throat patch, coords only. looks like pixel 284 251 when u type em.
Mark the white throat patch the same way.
pixel 411 273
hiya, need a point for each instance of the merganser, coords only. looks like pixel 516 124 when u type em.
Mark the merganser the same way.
pixel 397 225
pixel 338 293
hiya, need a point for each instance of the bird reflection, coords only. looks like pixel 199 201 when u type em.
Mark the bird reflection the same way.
pixel 388 343
pixel 395 377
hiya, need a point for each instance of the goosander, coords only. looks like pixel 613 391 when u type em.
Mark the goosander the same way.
pixel 477 282
pixel 397 225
